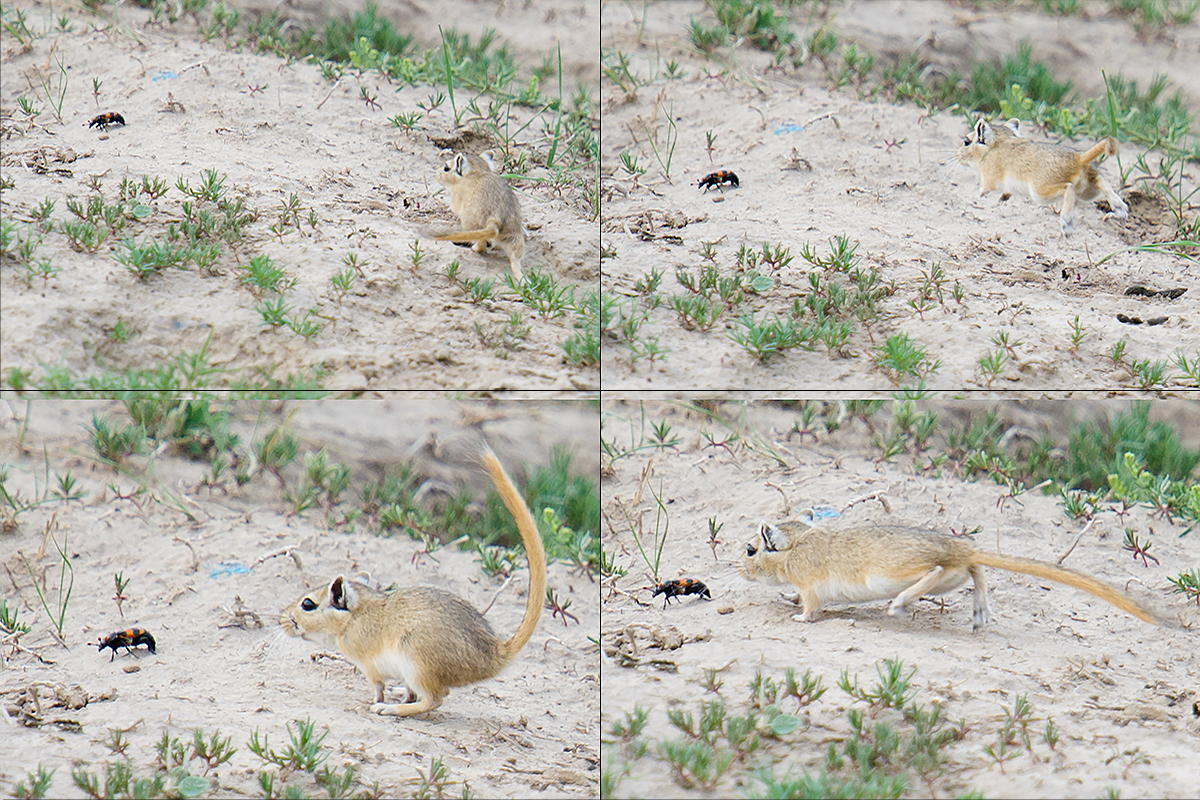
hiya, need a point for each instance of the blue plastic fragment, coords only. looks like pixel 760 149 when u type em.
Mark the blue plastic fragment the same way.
pixel 163 74
pixel 228 568
pixel 818 513
pixel 788 127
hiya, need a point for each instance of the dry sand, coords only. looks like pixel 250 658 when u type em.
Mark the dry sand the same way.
pixel 815 163
pixel 371 185
pixel 1113 684
pixel 530 732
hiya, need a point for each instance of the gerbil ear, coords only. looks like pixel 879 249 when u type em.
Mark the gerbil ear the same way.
pixel 461 164
pixel 490 157
pixel 1014 125
pixel 773 538
pixel 341 595
pixel 983 132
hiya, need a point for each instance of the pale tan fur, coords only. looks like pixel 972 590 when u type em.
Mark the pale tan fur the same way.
pixel 858 564
pixel 1046 173
pixel 485 205
pixel 426 637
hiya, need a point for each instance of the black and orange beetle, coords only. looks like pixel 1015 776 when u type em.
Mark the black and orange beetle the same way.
pixel 718 179
pixel 128 639
pixel 679 587
pixel 107 118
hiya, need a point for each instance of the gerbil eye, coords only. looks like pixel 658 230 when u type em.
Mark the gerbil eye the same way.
pixel 966 141
pixel 308 605
pixel 751 550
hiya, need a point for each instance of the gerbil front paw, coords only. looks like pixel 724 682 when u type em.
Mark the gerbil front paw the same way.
pixel 791 597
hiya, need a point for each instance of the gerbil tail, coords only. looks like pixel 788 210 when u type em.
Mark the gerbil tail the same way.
pixel 1070 577
pixel 470 236
pixel 1104 147
pixel 533 549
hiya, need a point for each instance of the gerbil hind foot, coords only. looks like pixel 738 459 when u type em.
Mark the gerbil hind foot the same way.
pixel 429 703
pixel 981 617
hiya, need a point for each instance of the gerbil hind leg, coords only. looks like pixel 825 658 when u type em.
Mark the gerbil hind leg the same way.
pixel 927 582
pixel 982 614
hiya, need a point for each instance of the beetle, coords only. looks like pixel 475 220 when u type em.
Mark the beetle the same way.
pixel 106 119
pixel 129 639
pixel 717 179
pixel 682 586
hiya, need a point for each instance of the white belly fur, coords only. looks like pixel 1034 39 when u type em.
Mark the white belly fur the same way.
pixel 882 587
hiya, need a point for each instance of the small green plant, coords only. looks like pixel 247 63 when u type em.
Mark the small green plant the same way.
pixel 8 620
pixel 307 326
pixel 150 258
pixel 406 121
pixel 342 282
pixel 113 444
pixel 629 163
pixel 212 750
pixel 417 256
pixel 1139 548
pixel 993 364
pixel 211 187
pixel 902 358
pixel 541 292
pixel 434 782
pixel 479 290
pixel 1147 374
pixel 893 690
pixel 122 332
pixel 66 582
pixel 770 337
pixel 1077 335
pixel 696 763
pixel 263 275
pixel 707 39
pixel 1185 583
pixel 39 782
pixel 54 85
pixel 121 583
pixel 303 751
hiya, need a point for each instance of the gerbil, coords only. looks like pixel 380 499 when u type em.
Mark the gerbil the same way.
pixel 486 207
pixel 1045 172
pixel 426 637
pixel 858 564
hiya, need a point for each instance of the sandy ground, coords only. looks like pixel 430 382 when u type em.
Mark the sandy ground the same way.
pixel 530 732
pixel 815 163
pixel 371 184
pixel 1110 682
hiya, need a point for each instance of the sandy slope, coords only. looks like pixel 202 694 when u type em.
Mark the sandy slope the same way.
pixel 532 731
pixel 1111 683
pixel 814 164
pixel 371 185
